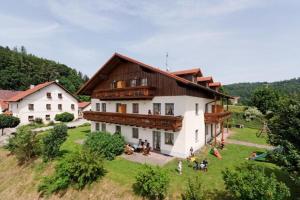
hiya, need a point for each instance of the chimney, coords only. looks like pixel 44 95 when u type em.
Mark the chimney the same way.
pixel 31 86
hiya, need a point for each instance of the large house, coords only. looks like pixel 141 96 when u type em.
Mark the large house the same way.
pixel 172 111
pixel 42 101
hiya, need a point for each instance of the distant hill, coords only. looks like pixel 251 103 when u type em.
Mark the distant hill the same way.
pixel 19 70
pixel 244 90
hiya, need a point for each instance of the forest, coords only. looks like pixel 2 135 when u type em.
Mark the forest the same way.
pixel 19 70
pixel 244 90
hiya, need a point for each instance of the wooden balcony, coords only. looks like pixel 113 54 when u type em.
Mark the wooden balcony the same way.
pixel 168 123
pixel 139 92
pixel 217 115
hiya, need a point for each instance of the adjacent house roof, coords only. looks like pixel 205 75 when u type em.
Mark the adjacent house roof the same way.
pixel 3 105
pixel 23 94
pixel 188 71
pixel 7 94
pixel 205 79
pixel 83 104
pixel 116 58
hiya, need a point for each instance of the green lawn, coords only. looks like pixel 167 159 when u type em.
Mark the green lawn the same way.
pixel 123 171
pixel 248 135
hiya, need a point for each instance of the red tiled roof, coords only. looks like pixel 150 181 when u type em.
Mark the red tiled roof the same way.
pixel 204 79
pixel 83 104
pixel 215 84
pixel 188 71
pixel 168 74
pixel 7 94
pixel 3 105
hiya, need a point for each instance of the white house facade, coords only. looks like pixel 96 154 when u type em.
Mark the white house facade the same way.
pixel 43 101
pixel 169 110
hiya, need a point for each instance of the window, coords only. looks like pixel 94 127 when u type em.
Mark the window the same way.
pixel 156 108
pixel 73 106
pixel 30 107
pixel 169 138
pixel 144 82
pixel 98 107
pixel 49 95
pixel 120 108
pixel 169 108
pixel 97 126
pixel 113 84
pixel 135 133
pixel 197 108
pixel 30 118
pixel 133 83
pixel 196 136
pixel 47 118
pixel 59 106
pixel 118 129
pixel 135 108
pixel 59 95
pixel 103 107
pixel 103 127
pixel 48 106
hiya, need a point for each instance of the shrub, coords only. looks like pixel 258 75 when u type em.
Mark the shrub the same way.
pixel 38 120
pixel 76 169
pixel 24 145
pixel 64 117
pixel 51 142
pixel 152 182
pixel 106 144
pixel 193 190
pixel 250 182
pixel 8 121
pixel 51 123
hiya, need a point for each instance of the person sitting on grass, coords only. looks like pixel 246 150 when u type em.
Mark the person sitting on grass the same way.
pixel 203 165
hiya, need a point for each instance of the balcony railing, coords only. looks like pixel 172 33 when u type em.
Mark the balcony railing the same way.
pixel 140 92
pixel 173 123
pixel 217 115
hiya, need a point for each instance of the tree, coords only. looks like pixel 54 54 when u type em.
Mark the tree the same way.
pixel 285 131
pixel 52 142
pixel 152 182
pixel 265 99
pixel 8 121
pixel 24 145
pixel 250 182
pixel 64 117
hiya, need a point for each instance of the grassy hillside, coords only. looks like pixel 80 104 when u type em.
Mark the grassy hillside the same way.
pixel 244 90
pixel 19 70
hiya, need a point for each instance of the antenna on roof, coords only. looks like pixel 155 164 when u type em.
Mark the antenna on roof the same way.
pixel 167 68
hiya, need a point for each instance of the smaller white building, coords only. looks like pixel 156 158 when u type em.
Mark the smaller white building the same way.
pixel 42 101
pixel 83 106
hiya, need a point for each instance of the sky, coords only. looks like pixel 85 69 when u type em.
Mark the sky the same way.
pixel 231 40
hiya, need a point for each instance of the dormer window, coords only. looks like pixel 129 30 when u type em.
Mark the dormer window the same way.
pixel 59 95
pixel 49 95
pixel 133 83
pixel 144 82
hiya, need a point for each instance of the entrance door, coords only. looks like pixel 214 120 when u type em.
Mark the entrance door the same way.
pixel 156 140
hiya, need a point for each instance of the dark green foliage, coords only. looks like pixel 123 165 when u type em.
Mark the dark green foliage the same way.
pixel 83 98
pixel 250 182
pixel 244 90
pixel 106 144
pixel 24 145
pixel 19 70
pixel 76 169
pixel 152 182
pixel 285 131
pixel 64 117
pixel 51 142
pixel 265 99
pixel 194 190
pixel 38 120
pixel 8 121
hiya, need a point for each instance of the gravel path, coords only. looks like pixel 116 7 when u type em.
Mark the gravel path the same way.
pixel 230 141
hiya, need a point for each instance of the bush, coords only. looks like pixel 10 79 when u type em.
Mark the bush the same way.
pixel 193 190
pixel 64 117
pixel 38 120
pixel 152 182
pixel 51 123
pixel 76 169
pixel 250 182
pixel 106 144
pixel 8 121
pixel 24 145
pixel 51 142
